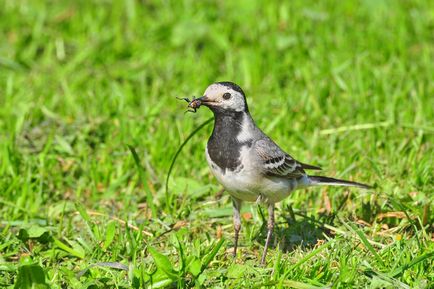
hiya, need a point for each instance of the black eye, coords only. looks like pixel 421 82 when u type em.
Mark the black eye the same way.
pixel 227 95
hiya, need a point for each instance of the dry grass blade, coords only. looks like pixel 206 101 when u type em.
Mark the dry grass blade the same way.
pixel 122 222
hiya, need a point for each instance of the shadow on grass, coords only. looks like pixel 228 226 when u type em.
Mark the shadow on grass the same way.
pixel 301 231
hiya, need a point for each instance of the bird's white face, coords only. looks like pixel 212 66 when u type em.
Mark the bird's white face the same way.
pixel 224 96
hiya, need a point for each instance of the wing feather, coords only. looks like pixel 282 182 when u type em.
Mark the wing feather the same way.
pixel 275 162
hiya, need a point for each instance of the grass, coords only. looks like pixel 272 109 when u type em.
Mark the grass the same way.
pixel 84 84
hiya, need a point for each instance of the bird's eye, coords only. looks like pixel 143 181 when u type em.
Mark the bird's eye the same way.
pixel 227 95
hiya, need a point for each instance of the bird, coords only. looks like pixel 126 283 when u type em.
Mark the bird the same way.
pixel 248 163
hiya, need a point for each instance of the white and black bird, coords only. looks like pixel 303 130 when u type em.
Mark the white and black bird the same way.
pixel 250 165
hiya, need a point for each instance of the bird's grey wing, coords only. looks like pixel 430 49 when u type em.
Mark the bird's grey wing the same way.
pixel 275 162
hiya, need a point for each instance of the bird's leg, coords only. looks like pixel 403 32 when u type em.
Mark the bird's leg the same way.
pixel 237 221
pixel 270 231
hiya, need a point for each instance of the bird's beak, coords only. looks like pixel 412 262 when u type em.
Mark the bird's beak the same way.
pixel 204 100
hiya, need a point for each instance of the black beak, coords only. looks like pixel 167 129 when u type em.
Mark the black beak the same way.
pixel 204 100
pixel 197 102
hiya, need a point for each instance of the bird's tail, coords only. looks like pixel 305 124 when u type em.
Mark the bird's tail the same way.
pixel 320 180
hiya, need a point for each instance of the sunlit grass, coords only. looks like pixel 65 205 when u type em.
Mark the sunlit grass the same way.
pixel 84 84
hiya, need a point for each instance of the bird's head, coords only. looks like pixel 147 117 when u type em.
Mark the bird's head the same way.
pixel 223 97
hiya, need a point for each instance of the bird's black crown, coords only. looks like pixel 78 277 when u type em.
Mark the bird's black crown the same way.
pixel 232 86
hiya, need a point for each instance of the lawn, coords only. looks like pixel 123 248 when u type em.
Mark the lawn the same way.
pixel 90 124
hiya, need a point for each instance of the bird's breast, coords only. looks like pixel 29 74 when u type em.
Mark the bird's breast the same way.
pixel 235 164
pixel 243 180
pixel 247 183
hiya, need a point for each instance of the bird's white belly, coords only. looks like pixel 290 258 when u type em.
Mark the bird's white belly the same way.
pixel 241 185
pixel 251 186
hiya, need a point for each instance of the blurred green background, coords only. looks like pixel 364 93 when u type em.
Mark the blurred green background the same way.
pixel 347 85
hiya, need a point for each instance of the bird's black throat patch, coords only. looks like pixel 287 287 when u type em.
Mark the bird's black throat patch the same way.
pixel 223 145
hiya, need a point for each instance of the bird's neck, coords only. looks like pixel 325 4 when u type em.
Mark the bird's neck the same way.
pixel 229 124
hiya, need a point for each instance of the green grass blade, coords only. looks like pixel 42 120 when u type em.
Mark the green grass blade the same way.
pixel 75 252
pixel 87 220
pixel 299 285
pixel 311 254
pixel 30 276
pixel 401 269
pixel 175 156
pixel 109 234
pixel 162 262
pixel 208 258
pixel 142 173
pixel 365 242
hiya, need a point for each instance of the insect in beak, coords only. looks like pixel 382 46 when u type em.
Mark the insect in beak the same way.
pixel 193 104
